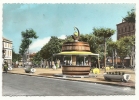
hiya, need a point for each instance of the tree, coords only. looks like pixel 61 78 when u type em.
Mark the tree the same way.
pixel 52 47
pixel 91 39
pixel 112 50
pixel 125 45
pixel 26 41
pixel 122 49
pixel 104 33
pixel 68 38
pixel 130 17
pixel 37 58
pixel 15 56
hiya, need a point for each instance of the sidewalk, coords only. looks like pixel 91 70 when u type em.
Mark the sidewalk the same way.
pixel 42 72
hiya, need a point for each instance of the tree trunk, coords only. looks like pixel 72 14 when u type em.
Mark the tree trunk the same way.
pixel 116 60
pixel 113 58
pixel 131 61
pixel 98 62
pixel 133 56
pixel 22 61
pixel 105 54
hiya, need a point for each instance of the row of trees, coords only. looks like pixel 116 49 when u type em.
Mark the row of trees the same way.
pixel 97 44
pixel 123 47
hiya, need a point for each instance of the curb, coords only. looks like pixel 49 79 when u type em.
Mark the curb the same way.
pixel 75 80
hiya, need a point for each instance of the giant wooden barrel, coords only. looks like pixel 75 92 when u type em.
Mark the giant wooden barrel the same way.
pixel 75 46
pixel 75 69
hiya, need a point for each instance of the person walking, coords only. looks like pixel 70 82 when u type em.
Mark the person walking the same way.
pixel 5 66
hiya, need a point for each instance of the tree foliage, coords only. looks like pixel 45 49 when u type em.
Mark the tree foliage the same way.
pixel 52 47
pixel 26 40
pixel 37 58
pixel 103 32
pixel 68 38
pixel 112 47
pixel 124 46
pixel 15 56
pixel 130 17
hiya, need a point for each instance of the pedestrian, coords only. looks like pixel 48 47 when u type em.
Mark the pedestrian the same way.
pixel 123 66
pixel 5 66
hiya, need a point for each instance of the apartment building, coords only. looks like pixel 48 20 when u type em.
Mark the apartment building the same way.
pixel 7 46
pixel 125 29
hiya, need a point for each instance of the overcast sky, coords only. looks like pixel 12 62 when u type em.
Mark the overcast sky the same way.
pixel 58 20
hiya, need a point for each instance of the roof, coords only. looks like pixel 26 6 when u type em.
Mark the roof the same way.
pixel 4 39
pixel 76 53
pixel 32 55
pixel 124 23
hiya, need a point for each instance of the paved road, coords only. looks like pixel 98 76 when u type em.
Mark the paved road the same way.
pixel 22 85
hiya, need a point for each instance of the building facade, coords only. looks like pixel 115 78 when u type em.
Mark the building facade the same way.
pixel 125 29
pixel 7 46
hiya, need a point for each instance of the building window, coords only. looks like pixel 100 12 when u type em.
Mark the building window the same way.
pixel 125 29
pixel 129 28
pixel 133 27
pixel 119 31
pixel 6 52
pixel 5 45
pixel 10 46
pixel 10 53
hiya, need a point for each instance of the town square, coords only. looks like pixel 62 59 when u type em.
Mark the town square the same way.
pixel 69 49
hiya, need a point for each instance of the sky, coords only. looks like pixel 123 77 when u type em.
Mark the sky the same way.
pixel 59 20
